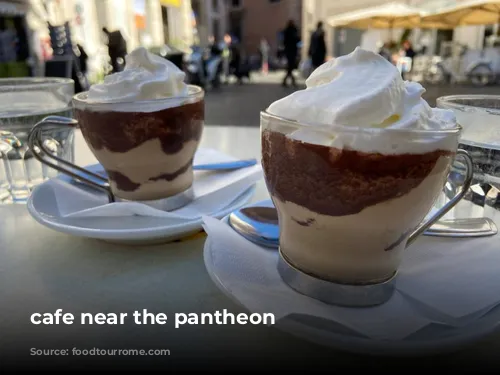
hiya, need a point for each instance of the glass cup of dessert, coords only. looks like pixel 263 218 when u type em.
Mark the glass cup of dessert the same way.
pixel 143 125
pixel 351 197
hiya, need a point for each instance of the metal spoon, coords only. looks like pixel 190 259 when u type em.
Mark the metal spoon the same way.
pixel 259 224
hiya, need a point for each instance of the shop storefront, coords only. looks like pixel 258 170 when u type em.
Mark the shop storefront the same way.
pixel 15 51
pixel 149 23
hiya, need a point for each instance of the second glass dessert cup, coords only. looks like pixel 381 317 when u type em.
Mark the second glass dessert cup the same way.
pixel 146 147
pixel 350 200
pixel 479 115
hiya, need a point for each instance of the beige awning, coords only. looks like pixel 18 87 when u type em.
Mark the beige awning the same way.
pixel 472 12
pixel 387 16
pixel 171 3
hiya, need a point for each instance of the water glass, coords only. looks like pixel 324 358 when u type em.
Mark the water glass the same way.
pixel 23 103
pixel 479 115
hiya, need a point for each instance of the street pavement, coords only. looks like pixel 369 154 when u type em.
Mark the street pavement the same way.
pixel 235 104
pixel 240 105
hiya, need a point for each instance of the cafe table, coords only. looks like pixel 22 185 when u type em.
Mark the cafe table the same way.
pixel 42 270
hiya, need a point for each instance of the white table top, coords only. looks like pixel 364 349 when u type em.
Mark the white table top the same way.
pixel 42 270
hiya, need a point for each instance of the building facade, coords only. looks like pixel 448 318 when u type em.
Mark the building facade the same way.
pixel 338 41
pixel 253 20
pixel 342 41
pixel 473 37
pixel 16 52
pixel 210 20
pixel 149 23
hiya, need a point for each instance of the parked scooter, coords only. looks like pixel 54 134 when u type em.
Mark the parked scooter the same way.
pixel 204 67
pixel 462 65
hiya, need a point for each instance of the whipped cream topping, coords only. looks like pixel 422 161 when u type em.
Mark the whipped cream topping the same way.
pixel 146 77
pixel 361 89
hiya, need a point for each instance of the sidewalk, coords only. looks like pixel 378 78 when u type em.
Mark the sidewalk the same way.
pixel 240 105
pixel 274 77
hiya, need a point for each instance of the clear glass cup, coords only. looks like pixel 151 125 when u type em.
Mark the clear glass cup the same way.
pixel 145 147
pixel 351 199
pixel 479 116
pixel 23 103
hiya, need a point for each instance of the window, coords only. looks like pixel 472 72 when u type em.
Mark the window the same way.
pixel 216 30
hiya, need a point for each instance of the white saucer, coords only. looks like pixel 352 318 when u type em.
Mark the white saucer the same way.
pixel 126 230
pixel 432 340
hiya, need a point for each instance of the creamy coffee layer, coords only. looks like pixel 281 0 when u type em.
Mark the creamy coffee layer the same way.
pixel 151 190
pixel 148 155
pixel 146 172
pixel 338 182
pixel 361 248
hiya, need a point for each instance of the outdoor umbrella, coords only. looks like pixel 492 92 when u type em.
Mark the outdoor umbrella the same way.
pixel 387 16
pixel 472 12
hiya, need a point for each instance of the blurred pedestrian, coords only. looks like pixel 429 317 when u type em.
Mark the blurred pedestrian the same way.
pixel 407 50
pixel 264 51
pixel 290 42
pixel 82 56
pixel 317 46
pixel 236 61
pixel 385 52
pixel 214 48
pixel 117 49
pixel 226 57
pixel 405 60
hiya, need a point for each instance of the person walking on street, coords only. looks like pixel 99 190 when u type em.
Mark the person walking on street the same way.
pixel 317 46
pixel 264 51
pixel 290 42
pixel 117 49
pixel 82 58
pixel 226 57
pixel 405 59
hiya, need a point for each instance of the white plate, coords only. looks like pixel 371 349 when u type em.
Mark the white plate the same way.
pixel 433 339
pixel 132 229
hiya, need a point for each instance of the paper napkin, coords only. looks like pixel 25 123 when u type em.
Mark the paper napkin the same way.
pixel 213 191
pixel 448 282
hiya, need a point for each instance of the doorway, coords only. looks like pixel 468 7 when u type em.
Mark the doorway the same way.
pixel 346 40
pixel 443 36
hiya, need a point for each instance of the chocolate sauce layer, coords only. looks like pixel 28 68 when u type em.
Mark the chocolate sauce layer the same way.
pixel 172 176
pixel 125 184
pixel 338 182
pixel 123 131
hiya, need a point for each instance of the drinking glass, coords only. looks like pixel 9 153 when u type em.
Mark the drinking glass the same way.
pixel 146 147
pixel 347 211
pixel 479 116
pixel 23 103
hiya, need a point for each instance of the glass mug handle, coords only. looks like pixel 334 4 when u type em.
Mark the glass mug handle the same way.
pixel 14 178
pixel 469 173
pixel 42 154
